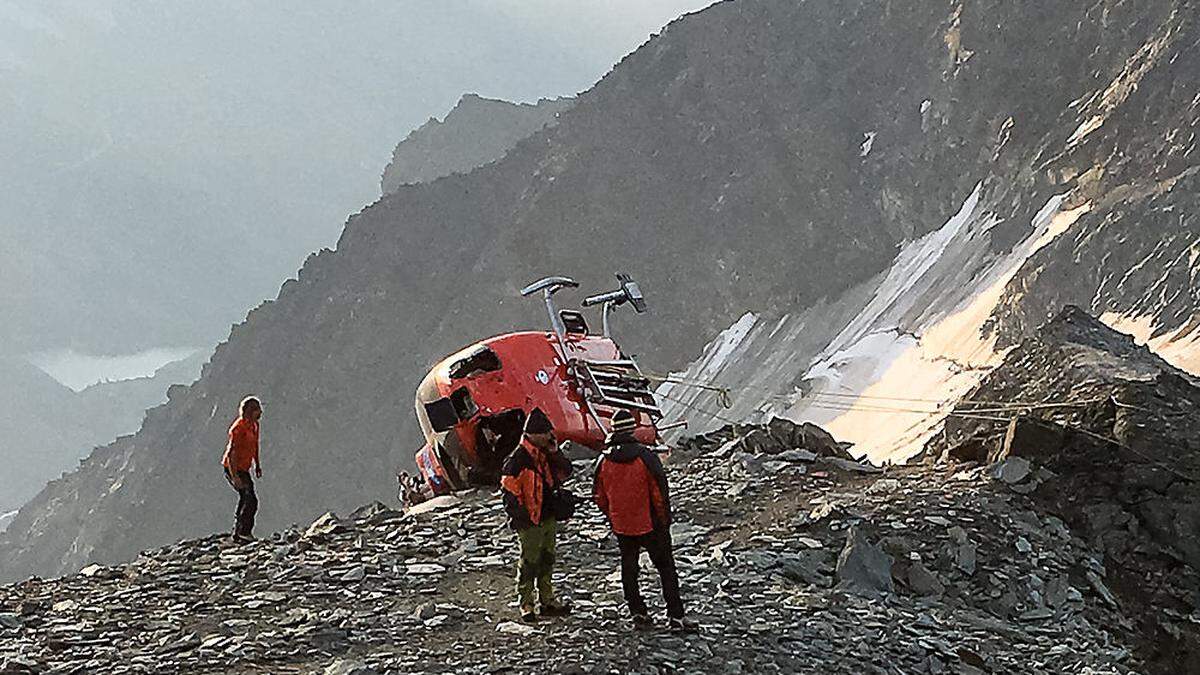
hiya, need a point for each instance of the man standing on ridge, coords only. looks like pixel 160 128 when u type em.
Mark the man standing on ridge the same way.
pixel 631 489
pixel 529 479
pixel 240 454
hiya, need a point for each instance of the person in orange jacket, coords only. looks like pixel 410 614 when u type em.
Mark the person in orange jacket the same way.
pixel 241 454
pixel 528 480
pixel 630 487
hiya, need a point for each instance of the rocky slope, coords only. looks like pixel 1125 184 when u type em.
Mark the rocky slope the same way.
pixel 475 132
pixel 791 560
pixel 1105 437
pixel 809 159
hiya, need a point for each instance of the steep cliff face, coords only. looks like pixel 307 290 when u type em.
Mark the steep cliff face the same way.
pixel 476 132
pixel 761 156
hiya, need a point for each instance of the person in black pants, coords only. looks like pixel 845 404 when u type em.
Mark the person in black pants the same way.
pixel 241 455
pixel 658 544
pixel 631 489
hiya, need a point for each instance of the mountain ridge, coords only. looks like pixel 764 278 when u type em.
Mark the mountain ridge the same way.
pixel 477 131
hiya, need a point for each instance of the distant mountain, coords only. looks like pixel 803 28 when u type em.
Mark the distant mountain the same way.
pixel 862 193
pixel 32 417
pixel 45 428
pixel 476 132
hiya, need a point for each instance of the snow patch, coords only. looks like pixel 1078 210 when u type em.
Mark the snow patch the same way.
pixel 838 345
pixel 892 414
pixel 716 355
pixel 1180 347
pixel 895 294
pixel 868 143
pixel 881 365
pixel 1085 129
pixel 727 341
pixel 846 371
pixel 6 519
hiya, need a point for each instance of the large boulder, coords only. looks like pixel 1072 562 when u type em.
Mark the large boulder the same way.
pixel 781 434
pixel 1030 437
pixel 863 568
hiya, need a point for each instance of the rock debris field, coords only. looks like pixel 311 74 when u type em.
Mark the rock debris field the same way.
pixel 793 557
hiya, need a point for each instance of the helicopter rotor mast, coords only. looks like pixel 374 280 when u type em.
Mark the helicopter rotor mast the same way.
pixel 629 292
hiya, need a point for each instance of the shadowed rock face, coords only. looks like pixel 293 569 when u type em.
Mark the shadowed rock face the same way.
pixel 477 131
pixel 723 164
pixel 1111 441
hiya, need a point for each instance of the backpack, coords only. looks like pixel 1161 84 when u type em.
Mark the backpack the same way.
pixel 563 503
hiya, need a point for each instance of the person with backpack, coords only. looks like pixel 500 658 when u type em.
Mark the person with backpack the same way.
pixel 630 487
pixel 530 481
pixel 241 454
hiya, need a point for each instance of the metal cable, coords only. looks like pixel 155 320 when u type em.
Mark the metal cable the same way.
pixel 725 394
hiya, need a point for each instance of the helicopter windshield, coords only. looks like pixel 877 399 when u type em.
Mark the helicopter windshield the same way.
pixel 482 360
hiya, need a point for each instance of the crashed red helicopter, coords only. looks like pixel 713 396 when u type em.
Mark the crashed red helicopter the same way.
pixel 472 404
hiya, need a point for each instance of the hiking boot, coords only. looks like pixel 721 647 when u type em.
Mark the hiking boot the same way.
pixel 682 625
pixel 528 615
pixel 242 539
pixel 555 609
pixel 642 622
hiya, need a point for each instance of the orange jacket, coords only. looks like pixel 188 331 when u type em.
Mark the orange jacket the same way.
pixel 242 451
pixel 527 476
pixel 631 488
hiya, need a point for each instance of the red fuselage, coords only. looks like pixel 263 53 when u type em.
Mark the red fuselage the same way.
pixel 472 404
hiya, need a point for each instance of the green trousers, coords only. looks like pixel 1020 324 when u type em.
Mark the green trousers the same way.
pixel 536 564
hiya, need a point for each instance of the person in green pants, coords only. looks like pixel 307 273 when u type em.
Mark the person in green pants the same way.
pixel 528 478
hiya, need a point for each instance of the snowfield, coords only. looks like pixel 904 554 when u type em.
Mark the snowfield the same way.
pixel 881 365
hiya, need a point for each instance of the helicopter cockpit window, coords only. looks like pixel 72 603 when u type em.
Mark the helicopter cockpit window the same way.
pixel 483 360
pixel 464 405
pixel 441 414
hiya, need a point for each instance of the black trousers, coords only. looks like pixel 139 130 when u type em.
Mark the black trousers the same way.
pixel 658 545
pixel 247 506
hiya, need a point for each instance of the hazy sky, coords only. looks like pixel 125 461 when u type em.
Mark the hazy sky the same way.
pixel 228 81
pixel 146 141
